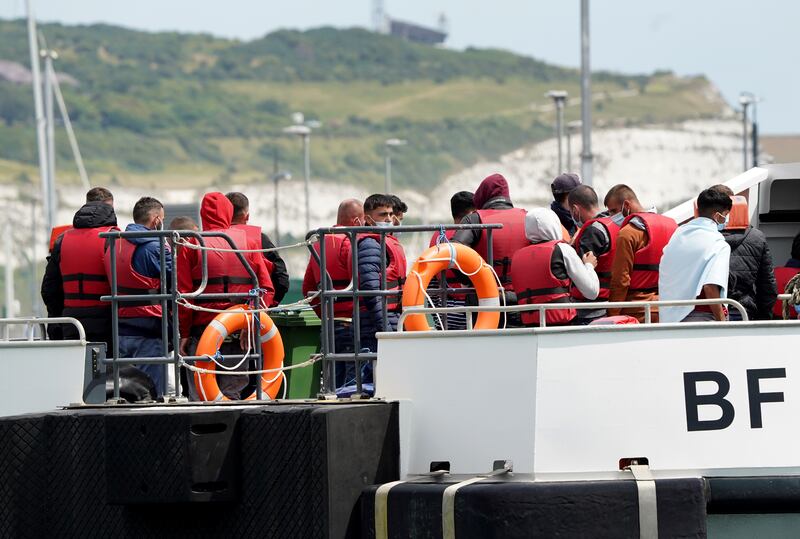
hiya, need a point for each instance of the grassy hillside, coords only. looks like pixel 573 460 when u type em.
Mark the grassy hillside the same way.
pixel 174 109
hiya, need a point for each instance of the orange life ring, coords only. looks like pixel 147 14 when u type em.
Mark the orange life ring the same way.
pixel 440 258
pixel 223 325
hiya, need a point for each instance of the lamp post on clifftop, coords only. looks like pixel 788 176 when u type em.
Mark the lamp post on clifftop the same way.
pixel 303 129
pixel 586 97
pixel 390 143
pixel 559 98
pixel 276 178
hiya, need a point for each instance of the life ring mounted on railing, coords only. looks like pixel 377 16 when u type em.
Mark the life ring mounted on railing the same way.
pixel 223 325
pixel 442 257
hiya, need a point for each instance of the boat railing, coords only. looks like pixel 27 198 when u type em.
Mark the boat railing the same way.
pixel 31 324
pixel 328 294
pixel 169 294
pixel 543 307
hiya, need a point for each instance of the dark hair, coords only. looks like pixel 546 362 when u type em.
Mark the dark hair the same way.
pixel 98 194
pixel 461 204
pixel 240 202
pixel 378 200
pixel 712 201
pixel 584 196
pixel 183 222
pixel 143 208
pixel 620 192
pixel 560 197
pixel 398 206
pixel 724 189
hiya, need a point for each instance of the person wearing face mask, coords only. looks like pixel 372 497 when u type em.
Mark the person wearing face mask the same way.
pixel 562 186
pixel 696 262
pixel 138 268
pixel 399 208
pixel 640 242
pixel 752 279
pixel 597 234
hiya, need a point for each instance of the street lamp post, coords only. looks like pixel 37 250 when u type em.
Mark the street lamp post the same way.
pixel 746 99
pixel 586 96
pixel 572 127
pixel 276 178
pixel 304 131
pixel 559 98
pixel 390 143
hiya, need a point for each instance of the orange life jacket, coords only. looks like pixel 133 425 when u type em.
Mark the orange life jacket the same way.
pixel 644 276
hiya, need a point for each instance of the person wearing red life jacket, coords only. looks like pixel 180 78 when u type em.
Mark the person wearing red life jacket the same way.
pixel 640 243
pixel 138 269
pixel 545 271
pixel 338 264
pixel 226 274
pixel 75 277
pixel 596 234
pixel 275 264
pixel 494 205
pixel 783 275
pixel 461 205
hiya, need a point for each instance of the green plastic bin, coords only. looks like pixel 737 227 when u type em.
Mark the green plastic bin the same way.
pixel 299 331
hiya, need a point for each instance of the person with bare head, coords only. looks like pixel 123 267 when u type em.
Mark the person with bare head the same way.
pixel 350 213
pixel 641 240
pixel 255 234
pixel 596 234
pixel 183 222
pixel 138 271
pixel 100 194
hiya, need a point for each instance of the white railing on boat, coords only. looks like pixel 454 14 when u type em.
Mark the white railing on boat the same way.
pixel 542 307
pixel 31 323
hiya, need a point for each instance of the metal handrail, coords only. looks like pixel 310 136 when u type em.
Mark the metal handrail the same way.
pixel 30 322
pixel 328 294
pixel 542 307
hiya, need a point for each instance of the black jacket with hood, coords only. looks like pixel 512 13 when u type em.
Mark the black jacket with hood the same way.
pixel 752 280
pixel 96 320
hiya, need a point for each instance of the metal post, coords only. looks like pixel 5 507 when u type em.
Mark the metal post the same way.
pixel 356 311
pixel 41 140
pixel 387 186
pixel 9 270
pixel 569 149
pixel 176 327
pixel 307 176
pixel 164 310
pixel 52 207
pixel 745 104
pixel 114 318
pixel 277 208
pixel 34 257
pixel 754 128
pixel 560 131
pixel 586 97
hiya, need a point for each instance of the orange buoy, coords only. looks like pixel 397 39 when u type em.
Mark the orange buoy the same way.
pixel 451 256
pixel 223 325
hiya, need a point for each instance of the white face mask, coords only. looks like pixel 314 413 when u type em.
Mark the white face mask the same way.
pixel 383 224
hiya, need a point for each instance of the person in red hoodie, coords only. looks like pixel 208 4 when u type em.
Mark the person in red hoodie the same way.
pixel 226 273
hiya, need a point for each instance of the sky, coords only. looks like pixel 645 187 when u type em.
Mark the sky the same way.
pixel 740 45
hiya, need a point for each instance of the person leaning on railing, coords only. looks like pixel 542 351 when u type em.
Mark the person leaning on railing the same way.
pixel 696 262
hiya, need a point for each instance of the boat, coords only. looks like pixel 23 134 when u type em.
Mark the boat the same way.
pixel 622 430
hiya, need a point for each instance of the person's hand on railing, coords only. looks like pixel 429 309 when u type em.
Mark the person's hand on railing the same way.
pixel 184 346
pixel 589 258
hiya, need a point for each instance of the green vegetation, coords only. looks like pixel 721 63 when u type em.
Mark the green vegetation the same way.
pixel 194 109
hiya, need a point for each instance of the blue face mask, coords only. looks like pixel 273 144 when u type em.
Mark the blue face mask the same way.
pixel 721 226
pixel 617 218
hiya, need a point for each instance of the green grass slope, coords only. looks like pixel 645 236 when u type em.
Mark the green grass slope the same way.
pixel 175 109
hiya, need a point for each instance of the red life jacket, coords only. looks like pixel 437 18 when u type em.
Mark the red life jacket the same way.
pixel 226 273
pixel 505 242
pixel 338 264
pixel 395 268
pixel 644 276
pixel 782 276
pixel 82 269
pixel 604 261
pixel 131 282
pixel 253 233
pixel 56 233
pixel 534 283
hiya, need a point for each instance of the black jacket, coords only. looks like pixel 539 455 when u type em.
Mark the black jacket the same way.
pixel 279 275
pixel 752 280
pixel 96 321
